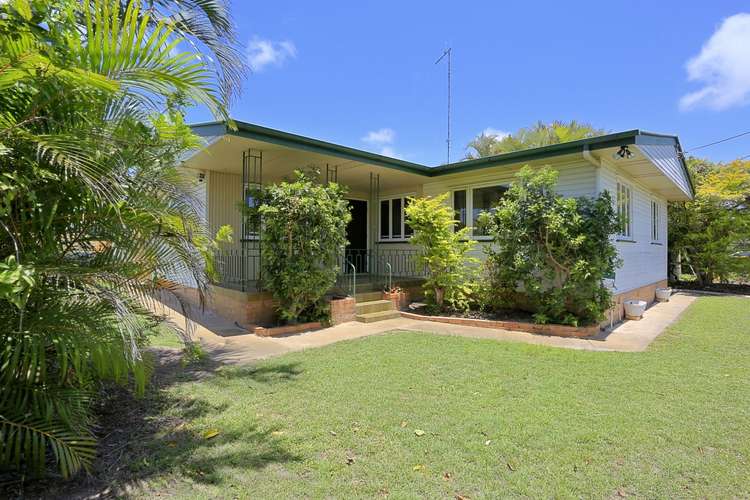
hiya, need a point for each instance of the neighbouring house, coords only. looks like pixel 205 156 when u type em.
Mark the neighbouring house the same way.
pixel 642 171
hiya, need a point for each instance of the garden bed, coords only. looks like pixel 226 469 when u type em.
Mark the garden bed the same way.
pixel 733 288
pixel 519 323
pixel 286 329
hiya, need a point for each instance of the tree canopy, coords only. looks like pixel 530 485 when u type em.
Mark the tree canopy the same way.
pixel 708 233
pixel 539 134
pixel 95 218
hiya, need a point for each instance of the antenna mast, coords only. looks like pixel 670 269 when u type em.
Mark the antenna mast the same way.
pixel 447 52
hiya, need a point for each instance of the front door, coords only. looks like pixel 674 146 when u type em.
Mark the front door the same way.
pixel 356 234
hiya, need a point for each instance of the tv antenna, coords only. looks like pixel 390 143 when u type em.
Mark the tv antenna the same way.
pixel 447 52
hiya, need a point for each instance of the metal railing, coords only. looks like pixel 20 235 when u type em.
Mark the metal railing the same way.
pixel 241 269
pixel 238 269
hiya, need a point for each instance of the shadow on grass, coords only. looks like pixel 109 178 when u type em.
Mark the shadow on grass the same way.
pixel 151 436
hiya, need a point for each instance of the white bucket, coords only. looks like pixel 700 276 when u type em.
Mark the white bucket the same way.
pixel 663 294
pixel 634 309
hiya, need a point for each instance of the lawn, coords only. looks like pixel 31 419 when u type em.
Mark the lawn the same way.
pixel 418 415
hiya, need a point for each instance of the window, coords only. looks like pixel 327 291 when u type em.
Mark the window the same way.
pixel 625 209
pixel 393 226
pixel 484 200
pixel 459 205
pixel 655 221
pixel 475 201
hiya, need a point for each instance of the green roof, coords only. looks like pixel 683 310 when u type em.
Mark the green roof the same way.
pixel 274 136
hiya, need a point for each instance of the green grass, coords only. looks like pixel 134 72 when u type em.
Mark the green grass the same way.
pixel 165 337
pixel 500 418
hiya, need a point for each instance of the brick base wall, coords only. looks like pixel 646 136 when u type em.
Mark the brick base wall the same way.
pixel 647 293
pixel 342 310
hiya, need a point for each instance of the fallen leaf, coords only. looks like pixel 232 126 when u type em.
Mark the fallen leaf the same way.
pixel 460 497
pixel 333 433
pixel 510 467
pixel 211 433
pixel 404 423
pixel 172 444
pixel 488 442
pixel 349 460
pixel 621 493
pixel 447 476
pixel 419 432
pixel 418 467
pixel 277 433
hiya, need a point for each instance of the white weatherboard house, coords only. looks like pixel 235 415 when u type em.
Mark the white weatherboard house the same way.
pixel 641 170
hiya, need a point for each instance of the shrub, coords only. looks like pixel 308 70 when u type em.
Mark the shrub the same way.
pixel 304 234
pixel 443 252
pixel 551 253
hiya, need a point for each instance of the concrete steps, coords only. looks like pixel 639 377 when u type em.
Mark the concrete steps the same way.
pixel 371 307
pixel 368 296
pixel 377 316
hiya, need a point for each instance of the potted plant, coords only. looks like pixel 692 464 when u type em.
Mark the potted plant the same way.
pixel 396 295
pixel 663 294
pixel 634 309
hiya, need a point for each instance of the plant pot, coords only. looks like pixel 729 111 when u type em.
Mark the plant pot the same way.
pixel 634 309
pixel 663 294
pixel 399 299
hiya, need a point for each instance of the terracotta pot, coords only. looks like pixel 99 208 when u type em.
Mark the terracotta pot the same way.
pixel 663 294
pixel 634 309
pixel 396 297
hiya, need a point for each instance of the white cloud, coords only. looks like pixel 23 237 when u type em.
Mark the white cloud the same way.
pixel 497 134
pixel 388 151
pixel 262 53
pixel 722 67
pixel 382 140
pixel 380 137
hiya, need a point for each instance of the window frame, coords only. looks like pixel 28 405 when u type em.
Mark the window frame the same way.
pixel 404 237
pixel 656 218
pixel 627 229
pixel 469 190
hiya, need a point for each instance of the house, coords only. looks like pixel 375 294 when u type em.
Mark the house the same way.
pixel 642 171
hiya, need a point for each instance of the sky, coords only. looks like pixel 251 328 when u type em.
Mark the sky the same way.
pixel 363 74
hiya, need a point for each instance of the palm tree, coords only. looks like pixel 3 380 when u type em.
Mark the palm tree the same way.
pixel 538 135
pixel 95 220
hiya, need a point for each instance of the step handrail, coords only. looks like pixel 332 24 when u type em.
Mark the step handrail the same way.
pixel 354 278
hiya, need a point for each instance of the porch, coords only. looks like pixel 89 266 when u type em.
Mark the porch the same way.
pixel 236 164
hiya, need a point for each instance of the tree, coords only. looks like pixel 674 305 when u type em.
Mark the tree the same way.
pixel 706 233
pixel 304 235
pixel 551 253
pixel 442 251
pixel 540 134
pixel 95 220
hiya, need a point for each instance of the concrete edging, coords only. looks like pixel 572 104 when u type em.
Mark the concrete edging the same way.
pixel 552 330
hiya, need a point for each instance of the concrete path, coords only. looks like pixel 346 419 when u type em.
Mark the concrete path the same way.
pixel 225 342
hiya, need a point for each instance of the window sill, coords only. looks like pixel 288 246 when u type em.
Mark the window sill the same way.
pixel 402 240
pixel 657 243
pixel 625 240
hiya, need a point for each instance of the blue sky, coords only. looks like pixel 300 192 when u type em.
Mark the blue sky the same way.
pixel 362 74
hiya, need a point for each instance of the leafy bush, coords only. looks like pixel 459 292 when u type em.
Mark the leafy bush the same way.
pixel 551 253
pixel 95 220
pixel 443 252
pixel 304 235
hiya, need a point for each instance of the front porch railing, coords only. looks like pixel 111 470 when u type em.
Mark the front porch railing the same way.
pixel 375 268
